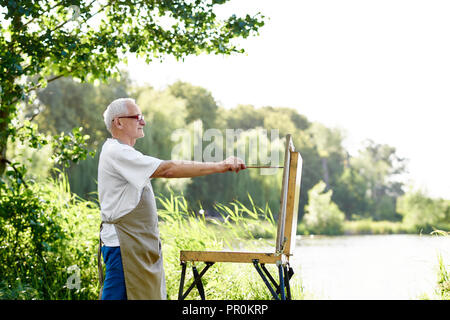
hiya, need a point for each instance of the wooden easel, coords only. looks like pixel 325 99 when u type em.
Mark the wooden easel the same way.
pixel 285 242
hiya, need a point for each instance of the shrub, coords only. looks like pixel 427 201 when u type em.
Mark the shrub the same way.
pixel 322 216
pixel 422 212
pixel 42 236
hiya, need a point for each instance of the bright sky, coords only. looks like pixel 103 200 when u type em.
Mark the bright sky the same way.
pixel 379 69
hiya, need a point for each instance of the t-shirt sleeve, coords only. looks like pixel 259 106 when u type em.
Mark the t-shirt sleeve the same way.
pixel 135 167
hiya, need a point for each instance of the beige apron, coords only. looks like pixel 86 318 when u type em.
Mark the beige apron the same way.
pixel 140 248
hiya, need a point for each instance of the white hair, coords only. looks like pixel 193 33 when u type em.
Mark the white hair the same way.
pixel 116 108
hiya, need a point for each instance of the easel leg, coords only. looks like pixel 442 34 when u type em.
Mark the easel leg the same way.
pixel 280 272
pixel 287 277
pixel 275 284
pixel 196 280
pixel 274 294
pixel 183 274
pixel 200 288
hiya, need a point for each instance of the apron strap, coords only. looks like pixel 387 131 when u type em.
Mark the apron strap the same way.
pixel 99 262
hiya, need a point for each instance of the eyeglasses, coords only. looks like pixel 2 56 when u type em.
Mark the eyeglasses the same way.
pixel 138 117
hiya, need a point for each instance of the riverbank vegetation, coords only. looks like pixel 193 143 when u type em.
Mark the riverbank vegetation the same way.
pixel 341 193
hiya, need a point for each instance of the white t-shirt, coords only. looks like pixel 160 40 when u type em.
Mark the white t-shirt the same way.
pixel 123 172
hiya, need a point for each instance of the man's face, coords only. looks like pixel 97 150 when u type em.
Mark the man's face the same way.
pixel 132 127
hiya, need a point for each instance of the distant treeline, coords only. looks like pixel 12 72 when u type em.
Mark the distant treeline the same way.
pixel 362 186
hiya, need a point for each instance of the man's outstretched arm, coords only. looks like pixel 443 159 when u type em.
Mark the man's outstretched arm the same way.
pixel 189 169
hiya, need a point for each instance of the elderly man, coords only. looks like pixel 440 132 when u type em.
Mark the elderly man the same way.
pixel 129 235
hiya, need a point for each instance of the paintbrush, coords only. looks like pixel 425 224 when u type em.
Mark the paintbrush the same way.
pixel 262 167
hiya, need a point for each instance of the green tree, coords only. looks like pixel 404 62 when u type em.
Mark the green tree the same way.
pixel 423 212
pixel 322 215
pixel 243 117
pixel 380 166
pixel 328 143
pixel 42 40
pixel 350 194
pixel 66 103
pixel 200 104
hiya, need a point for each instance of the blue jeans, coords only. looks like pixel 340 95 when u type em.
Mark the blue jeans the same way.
pixel 114 283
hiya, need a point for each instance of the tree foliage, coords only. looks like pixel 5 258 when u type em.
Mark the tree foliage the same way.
pixel 200 103
pixel 422 212
pixel 41 41
pixel 380 167
pixel 322 215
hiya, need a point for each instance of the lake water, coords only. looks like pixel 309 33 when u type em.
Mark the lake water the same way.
pixel 370 266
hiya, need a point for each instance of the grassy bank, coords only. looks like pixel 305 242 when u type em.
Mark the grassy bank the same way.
pixel 376 227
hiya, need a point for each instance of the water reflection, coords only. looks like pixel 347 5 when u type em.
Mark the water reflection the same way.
pixel 370 266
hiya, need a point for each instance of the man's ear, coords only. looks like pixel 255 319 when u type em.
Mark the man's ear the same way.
pixel 117 123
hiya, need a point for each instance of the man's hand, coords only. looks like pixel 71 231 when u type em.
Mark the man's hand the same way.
pixel 233 164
